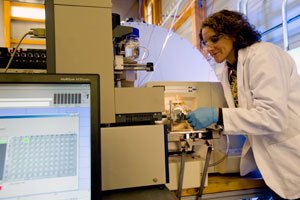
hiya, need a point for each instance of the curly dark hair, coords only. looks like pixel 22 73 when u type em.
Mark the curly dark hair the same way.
pixel 233 24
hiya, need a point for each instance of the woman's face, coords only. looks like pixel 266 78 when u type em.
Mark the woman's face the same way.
pixel 219 46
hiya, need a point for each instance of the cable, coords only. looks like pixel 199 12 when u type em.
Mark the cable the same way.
pixel 184 11
pixel 36 33
pixel 169 34
pixel 15 50
pixel 225 155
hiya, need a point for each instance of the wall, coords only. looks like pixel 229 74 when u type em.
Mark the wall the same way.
pixel 126 9
pixel 182 30
pixel 19 28
pixel 265 15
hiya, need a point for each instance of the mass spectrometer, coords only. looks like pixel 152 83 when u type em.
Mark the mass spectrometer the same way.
pixel 81 38
pixel 134 146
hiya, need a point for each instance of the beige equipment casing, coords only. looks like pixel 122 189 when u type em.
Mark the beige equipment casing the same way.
pixel 139 162
pixel 79 40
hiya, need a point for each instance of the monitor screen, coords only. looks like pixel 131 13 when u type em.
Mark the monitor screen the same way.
pixel 49 137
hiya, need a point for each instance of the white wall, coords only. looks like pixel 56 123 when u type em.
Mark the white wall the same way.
pixel 19 28
pixel 264 15
pixel 185 30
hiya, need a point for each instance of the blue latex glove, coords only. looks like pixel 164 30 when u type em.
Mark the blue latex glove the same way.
pixel 202 118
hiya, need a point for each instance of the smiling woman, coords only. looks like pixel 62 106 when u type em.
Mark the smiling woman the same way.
pixel 218 45
pixel 262 89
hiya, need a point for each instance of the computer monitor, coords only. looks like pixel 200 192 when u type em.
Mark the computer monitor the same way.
pixel 50 137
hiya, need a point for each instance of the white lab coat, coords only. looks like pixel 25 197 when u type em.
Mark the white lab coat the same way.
pixel 269 114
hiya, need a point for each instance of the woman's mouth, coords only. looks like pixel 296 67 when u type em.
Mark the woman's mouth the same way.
pixel 214 54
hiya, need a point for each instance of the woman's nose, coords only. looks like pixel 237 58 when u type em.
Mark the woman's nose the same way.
pixel 209 48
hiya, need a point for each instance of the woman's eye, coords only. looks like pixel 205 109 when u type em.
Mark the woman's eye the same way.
pixel 214 39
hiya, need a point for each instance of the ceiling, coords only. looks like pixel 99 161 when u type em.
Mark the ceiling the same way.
pixel 126 8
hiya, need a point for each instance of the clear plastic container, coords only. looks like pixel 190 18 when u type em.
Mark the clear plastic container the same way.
pixel 132 51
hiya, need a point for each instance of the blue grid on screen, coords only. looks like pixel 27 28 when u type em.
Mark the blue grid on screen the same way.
pixel 41 156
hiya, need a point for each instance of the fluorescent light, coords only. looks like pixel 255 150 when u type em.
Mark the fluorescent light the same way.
pixel 28 12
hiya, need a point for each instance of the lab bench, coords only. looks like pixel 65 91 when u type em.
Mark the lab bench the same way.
pixel 227 182
pixel 141 193
pixel 218 185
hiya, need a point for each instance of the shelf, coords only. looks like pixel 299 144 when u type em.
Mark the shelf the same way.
pixel 27 19
pixel 29 41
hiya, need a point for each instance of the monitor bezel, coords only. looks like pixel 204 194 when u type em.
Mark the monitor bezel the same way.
pixel 60 78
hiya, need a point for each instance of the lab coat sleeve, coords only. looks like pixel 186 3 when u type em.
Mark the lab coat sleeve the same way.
pixel 265 91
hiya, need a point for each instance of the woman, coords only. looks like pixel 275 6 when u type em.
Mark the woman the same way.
pixel 262 90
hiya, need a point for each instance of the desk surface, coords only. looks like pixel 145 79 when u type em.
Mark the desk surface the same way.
pixel 225 183
pixel 144 193
pixel 217 183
